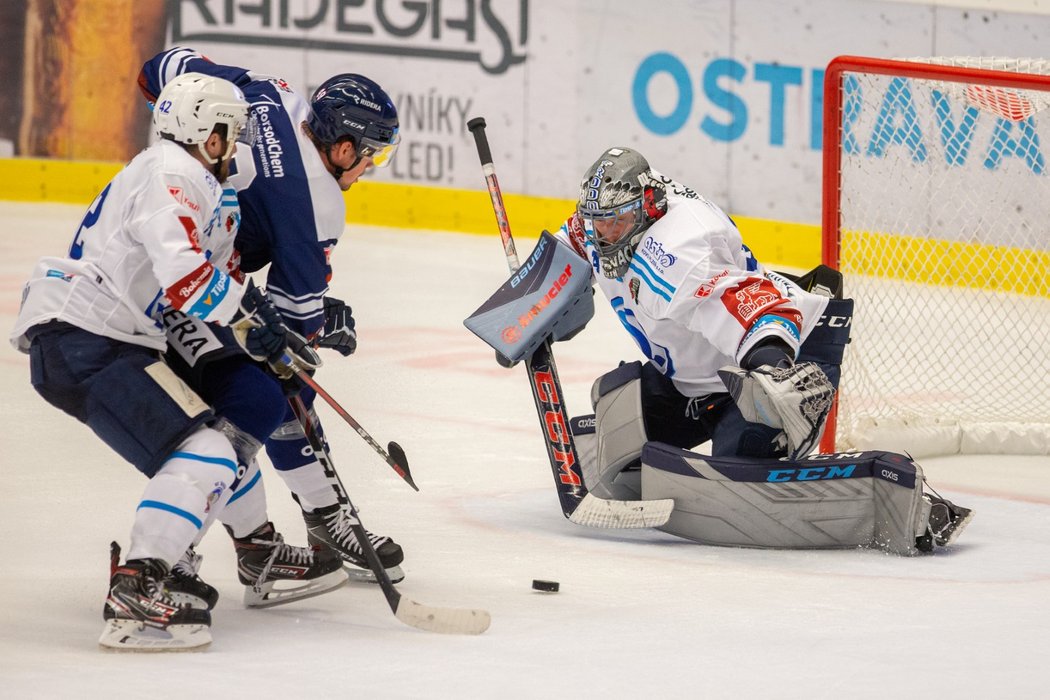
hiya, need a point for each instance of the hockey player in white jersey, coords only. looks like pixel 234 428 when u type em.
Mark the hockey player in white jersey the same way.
pixel 90 323
pixel 293 214
pixel 738 356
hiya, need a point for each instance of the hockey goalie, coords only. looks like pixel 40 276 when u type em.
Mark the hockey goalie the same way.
pixel 741 358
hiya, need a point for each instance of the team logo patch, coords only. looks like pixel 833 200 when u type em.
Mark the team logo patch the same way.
pixel 634 286
pixel 214 496
pixel 750 298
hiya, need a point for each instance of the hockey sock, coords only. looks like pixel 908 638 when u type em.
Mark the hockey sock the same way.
pixel 180 497
pixel 293 458
pixel 246 510
pixel 311 486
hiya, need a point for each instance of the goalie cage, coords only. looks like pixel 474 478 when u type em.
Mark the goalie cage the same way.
pixel 936 210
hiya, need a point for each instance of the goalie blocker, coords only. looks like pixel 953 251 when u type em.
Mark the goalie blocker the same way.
pixel 547 297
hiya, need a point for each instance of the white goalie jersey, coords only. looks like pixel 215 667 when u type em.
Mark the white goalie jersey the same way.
pixel 694 298
pixel 145 244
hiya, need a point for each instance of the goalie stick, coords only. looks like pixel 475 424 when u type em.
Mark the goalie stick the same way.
pixel 413 614
pixel 577 503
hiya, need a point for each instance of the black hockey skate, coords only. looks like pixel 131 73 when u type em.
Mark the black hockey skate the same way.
pixel 140 616
pixel 186 587
pixel 946 522
pixel 330 528
pixel 264 560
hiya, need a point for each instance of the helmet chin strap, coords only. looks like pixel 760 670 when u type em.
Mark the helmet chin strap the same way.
pixel 337 172
pixel 215 163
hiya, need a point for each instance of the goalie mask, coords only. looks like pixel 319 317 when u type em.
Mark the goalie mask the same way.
pixel 619 201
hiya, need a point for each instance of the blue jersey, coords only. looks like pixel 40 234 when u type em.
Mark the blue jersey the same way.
pixel 292 210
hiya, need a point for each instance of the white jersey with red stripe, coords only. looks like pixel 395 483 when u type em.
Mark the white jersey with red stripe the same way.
pixel 143 246
pixel 694 298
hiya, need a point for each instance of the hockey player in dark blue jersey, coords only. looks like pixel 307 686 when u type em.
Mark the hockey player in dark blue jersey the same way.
pixel 292 213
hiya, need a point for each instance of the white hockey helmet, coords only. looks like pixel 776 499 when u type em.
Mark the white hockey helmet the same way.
pixel 192 105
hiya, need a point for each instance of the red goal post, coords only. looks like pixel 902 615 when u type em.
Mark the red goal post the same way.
pixel 936 208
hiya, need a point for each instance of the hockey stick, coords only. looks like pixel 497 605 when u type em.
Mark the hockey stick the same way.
pixel 413 614
pixel 577 503
pixel 395 457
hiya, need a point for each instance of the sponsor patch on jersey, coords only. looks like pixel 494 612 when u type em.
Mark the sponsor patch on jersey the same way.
pixel 179 195
pixel 766 321
pixel 186 287
pixel 233 266
pixel 705 290
pixel 57 274
pixel 752 297
pixel 676 188
pixel 191 232
pixel 212 297
pixel 328 263
pixel 653 251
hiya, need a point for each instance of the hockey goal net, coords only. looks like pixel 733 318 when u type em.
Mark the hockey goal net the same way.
pixel 937 212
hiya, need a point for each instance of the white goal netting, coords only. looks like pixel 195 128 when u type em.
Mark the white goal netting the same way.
pixel 939 217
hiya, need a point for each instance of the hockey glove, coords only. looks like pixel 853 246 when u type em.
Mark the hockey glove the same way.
pixel 298 355
pixel 339 333
pixel 258 326
pixel 796 399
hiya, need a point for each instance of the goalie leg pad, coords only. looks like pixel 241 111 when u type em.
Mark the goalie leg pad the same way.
pixel 864 499
pixel 619 435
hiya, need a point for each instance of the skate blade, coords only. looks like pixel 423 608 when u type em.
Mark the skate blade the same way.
pixel 957 527
pixel 272 593
pixel 358 575
pixel 133 636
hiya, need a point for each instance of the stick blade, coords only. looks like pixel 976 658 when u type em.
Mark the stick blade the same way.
pixel 442 620
pixel 606 513
pixel 398 455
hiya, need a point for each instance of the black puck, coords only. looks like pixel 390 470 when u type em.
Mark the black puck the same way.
pixel 545 586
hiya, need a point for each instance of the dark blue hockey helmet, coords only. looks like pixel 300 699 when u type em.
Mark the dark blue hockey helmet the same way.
pixel 351 105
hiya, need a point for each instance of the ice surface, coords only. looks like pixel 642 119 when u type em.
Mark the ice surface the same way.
pixel 640 614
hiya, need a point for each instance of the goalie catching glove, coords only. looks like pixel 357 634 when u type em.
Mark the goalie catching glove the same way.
pixel 260 330
pixel 793 397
